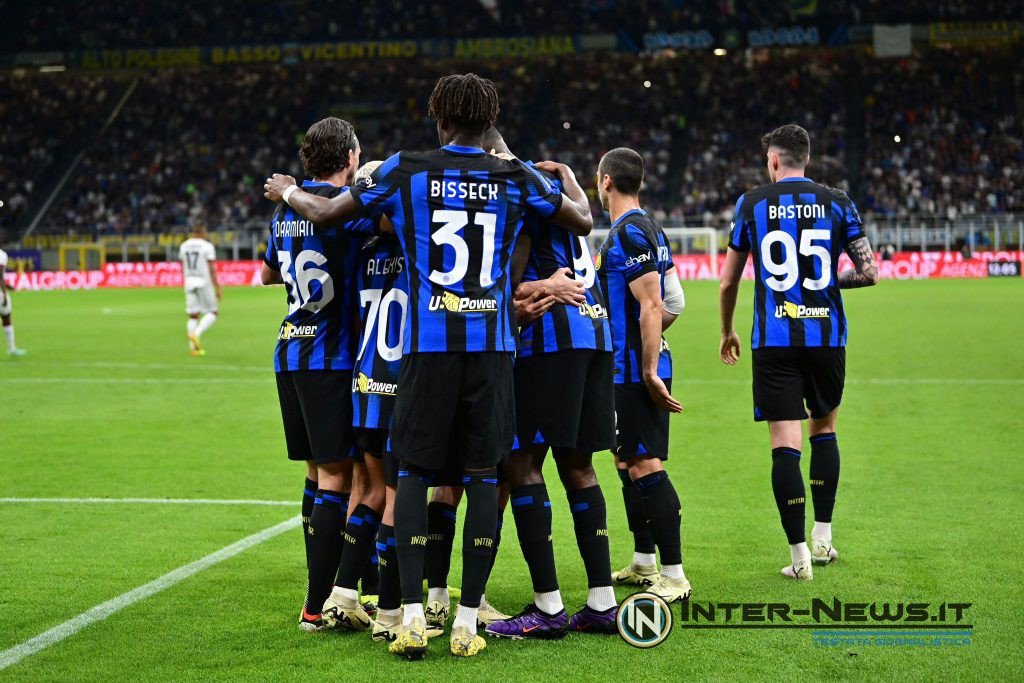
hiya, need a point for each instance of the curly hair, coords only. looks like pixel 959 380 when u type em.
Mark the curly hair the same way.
pixel 324 151
pixel 467 101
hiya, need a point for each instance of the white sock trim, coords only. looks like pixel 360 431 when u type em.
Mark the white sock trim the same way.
pixel 549 603
pixel 800 554
pixel 601 598
pixel 438 594
pixel 413 610
pixel 465 616
pixel 673 571
pixel 823 531
pixel 645 560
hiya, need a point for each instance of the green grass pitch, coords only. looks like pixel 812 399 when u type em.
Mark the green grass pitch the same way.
pixel 109 404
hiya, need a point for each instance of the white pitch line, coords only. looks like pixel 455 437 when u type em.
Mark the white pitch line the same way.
pixel 136 380
pixel 102 611
pixel 159 501
pixel 201 365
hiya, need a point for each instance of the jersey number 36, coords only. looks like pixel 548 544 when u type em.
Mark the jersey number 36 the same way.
pixel 300 288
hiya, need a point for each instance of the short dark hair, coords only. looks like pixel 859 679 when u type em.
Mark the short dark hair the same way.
pixel 324 151
pixel 792 142
pixel 493 140
pixel 467 101
pixel 626 169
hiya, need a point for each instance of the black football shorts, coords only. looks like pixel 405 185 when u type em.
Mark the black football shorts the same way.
pixel 641 426
pixel 566 399
pixel 787 378
pixel 316 406
pixel 455 410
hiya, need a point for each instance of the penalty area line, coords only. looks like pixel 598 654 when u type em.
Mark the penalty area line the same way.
pixel 102 611
pixel 150 501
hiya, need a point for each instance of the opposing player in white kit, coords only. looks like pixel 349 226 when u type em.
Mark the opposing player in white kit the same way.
pixel 5 309
pixel 202 289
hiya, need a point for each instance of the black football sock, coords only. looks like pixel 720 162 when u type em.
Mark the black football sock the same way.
pixel 497 543
pixel 411 530
pixel 788 486
pixel 590 520
pixel 325 541
pixel 478 533
pixel 359 538
pixel 824 475
pixel 531 510
pixel 308 498
pixel 440 539
pixel 369 583
pixel 390 590
pixel 346 498
pixel 639 525
pixel 663 510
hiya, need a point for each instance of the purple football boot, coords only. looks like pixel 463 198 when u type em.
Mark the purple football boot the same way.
pixel 589 620
pixel 531 623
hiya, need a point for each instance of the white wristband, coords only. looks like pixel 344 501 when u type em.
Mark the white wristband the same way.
pixel 288 193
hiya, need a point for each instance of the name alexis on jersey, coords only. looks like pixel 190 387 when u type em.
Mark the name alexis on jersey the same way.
pixel 796 211
pixel 456 304
pixel 788 309
pixel 385 266
pixel 361 384
pixel 459 189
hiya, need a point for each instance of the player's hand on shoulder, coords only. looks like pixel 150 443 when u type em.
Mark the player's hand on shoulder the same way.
pixel 276 185
pixel 503 155
pixel 566 288
pixel 729 348
pixel 552 166
pixel 661 395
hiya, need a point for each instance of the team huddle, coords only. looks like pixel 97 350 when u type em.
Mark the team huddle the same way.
pixel 448 326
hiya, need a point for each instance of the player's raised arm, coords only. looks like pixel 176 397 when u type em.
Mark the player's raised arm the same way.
pixel 323 212
pixel 574 212
pixel 865 271
pixel 646 290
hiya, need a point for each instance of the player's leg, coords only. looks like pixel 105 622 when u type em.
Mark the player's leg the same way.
pixel 485 426
pixel 825 381
pixel 8 327
pixel 488 613
pixel 531 509
pixel 193 308
pixel 779 399
pixel 208 305
pixel 325 400
pixel 360 533
pixel 590 522
pixel 389 600
pixel 308 498
pixel 421 438
pixel 663 510
pixel 441 519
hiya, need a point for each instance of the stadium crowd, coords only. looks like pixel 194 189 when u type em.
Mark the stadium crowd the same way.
pixel 192 145
pixel 48 26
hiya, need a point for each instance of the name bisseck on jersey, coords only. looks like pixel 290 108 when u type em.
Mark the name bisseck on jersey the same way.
pixel 458 189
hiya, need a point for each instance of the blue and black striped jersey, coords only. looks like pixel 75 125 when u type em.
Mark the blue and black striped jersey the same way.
pixel 457 212
pixel 383 302
pixel 636 245
pixel 563 327
pixel 797 230
pixel 318 268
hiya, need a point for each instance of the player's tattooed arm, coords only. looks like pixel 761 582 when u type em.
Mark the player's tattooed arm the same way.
pixel 865 272
pixel 574 213
pixel 323 212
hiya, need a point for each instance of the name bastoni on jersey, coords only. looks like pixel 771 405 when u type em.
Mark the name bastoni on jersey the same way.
pixel 788 309
pixel 794 211
pixel 453 303
pixel 361 384
pixel 458 189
